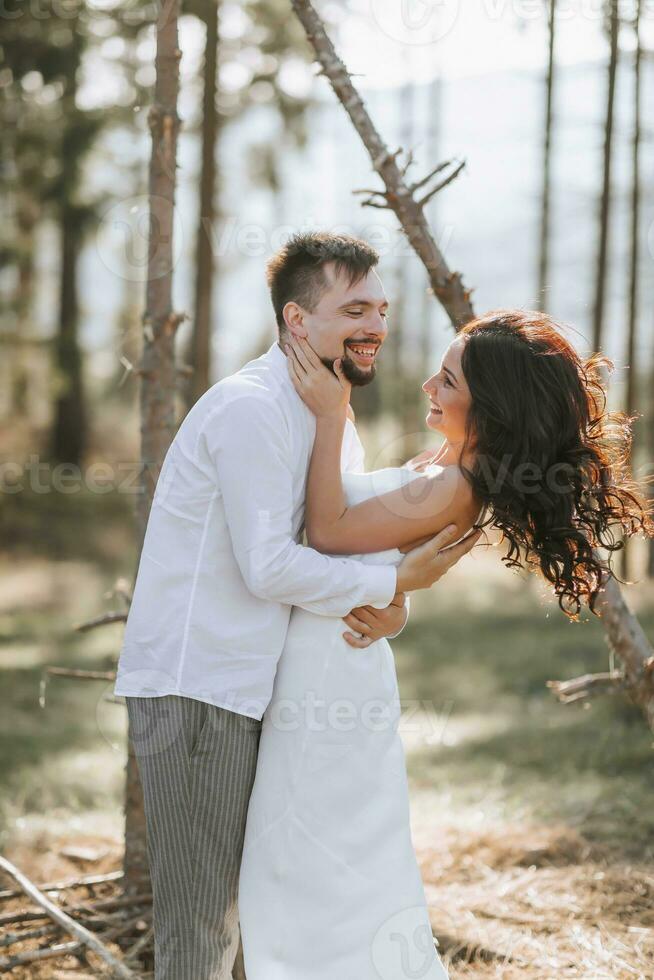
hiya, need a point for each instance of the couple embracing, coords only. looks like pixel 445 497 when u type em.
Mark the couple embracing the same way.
pixel 266 732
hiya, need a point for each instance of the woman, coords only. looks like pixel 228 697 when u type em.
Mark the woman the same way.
pixel 329 886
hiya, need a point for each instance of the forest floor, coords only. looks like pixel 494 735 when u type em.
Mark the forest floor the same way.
pixel 533 821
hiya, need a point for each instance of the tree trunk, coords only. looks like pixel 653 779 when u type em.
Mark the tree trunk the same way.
pixel 605 202
pixel 544 264
pixel 650 446
pixel 157 369
pixel 631 398
pixel 69 427
pixel 27 213
pixel 200 346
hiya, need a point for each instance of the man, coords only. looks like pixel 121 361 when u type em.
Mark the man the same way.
pixel 220 569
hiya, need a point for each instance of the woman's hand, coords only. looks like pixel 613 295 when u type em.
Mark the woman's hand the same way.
pixel 326 393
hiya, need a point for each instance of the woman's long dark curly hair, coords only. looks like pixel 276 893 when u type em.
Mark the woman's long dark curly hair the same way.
pixel 550 462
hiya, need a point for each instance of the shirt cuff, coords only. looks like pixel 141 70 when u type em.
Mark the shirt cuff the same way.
pixel 381 585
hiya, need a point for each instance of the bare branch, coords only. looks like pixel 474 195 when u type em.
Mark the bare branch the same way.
pixel 106 619
pixel 81 675
pixel 82 935
pixel 443 183
pixel 587 686
pixel 67 883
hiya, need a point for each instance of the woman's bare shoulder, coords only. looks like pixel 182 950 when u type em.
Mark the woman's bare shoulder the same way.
pixel 458 489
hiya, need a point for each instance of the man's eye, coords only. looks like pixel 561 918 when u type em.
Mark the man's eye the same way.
pixel 354 312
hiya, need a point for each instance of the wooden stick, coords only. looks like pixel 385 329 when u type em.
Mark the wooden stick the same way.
pixel 134 951
pixel 66 883
pixel 83 935
pixel 8 963
pixel 107 618
pixel 588 685
pixel 28 915
pixel 18 937
pixel 81 675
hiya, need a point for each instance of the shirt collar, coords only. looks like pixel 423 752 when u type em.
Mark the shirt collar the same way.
pixel 277 360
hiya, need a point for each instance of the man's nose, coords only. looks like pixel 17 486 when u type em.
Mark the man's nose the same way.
pixel 377 327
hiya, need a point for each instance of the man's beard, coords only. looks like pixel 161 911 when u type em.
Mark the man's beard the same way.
pixel 353 373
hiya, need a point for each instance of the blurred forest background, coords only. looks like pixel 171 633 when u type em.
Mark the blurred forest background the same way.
pixel 533 820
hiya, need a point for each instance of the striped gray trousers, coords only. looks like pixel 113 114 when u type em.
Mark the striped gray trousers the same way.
pixel 197 763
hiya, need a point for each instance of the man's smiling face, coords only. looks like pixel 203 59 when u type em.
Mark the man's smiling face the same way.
pixel 349 321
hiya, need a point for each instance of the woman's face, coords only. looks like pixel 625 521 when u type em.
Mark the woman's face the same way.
pixel 449 396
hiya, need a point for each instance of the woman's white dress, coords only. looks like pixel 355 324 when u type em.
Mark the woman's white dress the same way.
pixel 329 885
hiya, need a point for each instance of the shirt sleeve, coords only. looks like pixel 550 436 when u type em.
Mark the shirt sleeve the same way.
pixel 250 445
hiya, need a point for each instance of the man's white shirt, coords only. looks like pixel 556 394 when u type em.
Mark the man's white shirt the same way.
pixel 221 564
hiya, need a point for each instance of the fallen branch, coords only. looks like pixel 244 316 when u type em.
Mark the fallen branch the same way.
pixel 67 883
pixel 134 951
pixel 81 675
pixel 18 937
pixel 126 901
pixel 83 935
pixel 624 633
pixel 447 285
pixel 9 963
pixel 106 619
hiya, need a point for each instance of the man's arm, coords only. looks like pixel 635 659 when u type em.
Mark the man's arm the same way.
pixel 248 442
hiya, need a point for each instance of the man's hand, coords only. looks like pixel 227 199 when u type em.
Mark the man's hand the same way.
pixel 375 623
pixel 426 564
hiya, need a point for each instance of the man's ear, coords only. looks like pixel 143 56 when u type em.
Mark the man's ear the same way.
pixel 294 319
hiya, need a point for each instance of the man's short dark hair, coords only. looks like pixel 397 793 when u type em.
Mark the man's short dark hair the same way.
pixel 296 272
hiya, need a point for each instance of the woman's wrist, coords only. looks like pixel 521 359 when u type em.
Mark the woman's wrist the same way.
pixel 334 419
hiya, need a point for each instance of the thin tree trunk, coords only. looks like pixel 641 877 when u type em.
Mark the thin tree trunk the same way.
pixel 624 633
pixel 544 264
pixel 26 217
pixel 157 369
pixel 69 427
pixel 634 257
pixel 200 346
pixel 650 446
pixel 605 202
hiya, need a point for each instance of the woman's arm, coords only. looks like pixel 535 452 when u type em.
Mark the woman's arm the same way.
pixel 424 506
